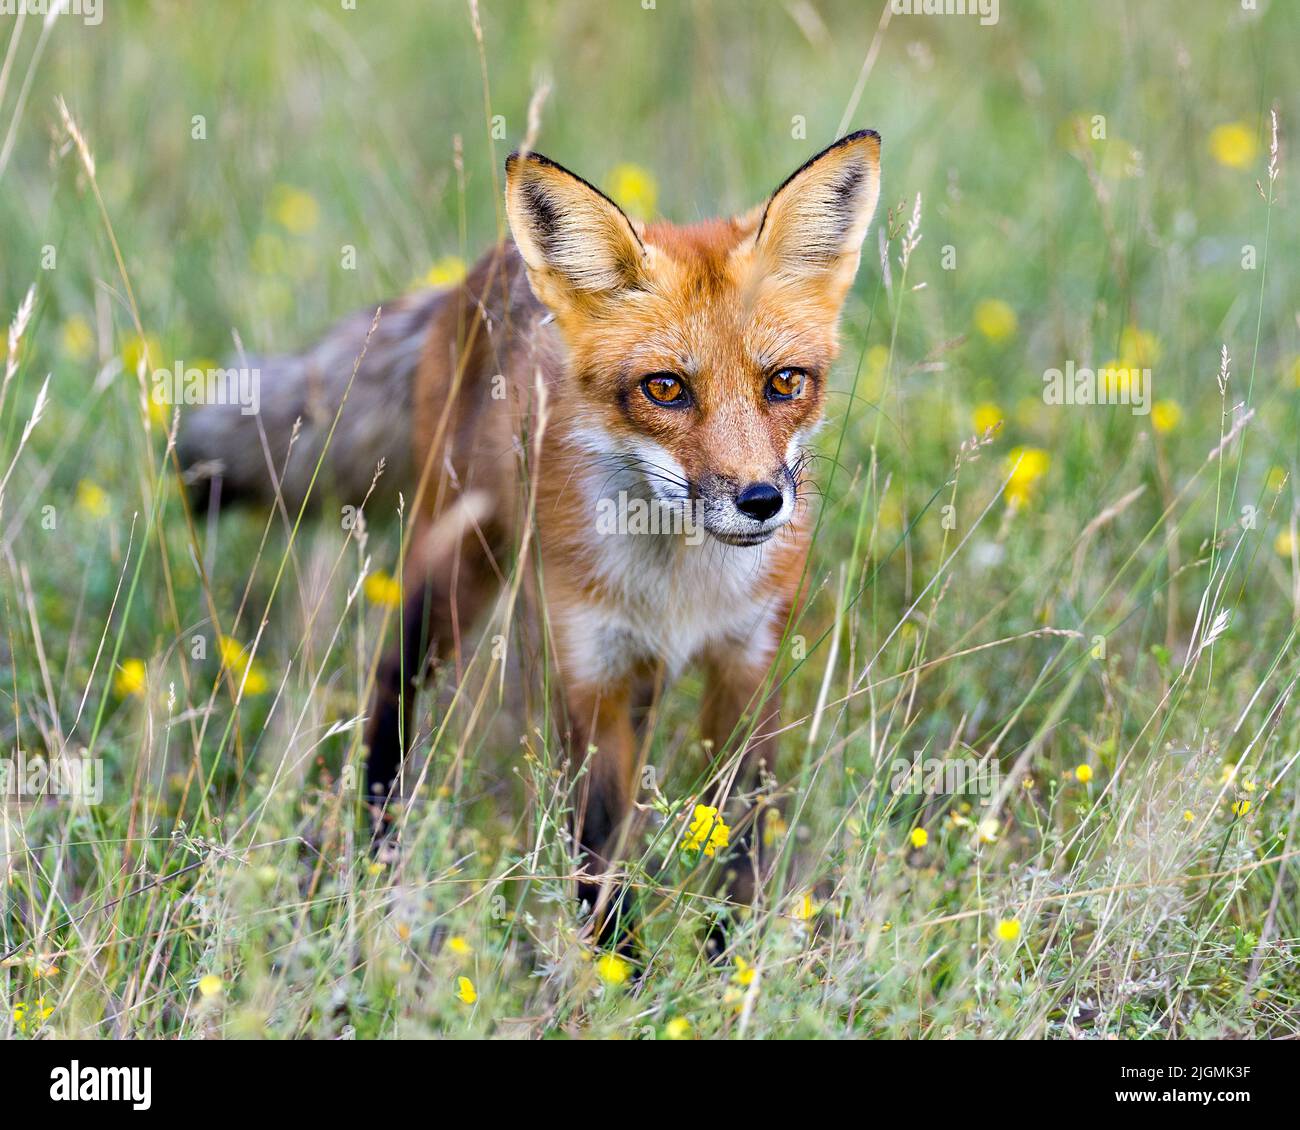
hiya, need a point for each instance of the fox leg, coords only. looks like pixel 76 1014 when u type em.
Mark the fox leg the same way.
pixel 601 737
pixel 450 576
pixel 742 711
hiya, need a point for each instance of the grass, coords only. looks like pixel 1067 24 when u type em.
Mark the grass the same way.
pixel 1097 612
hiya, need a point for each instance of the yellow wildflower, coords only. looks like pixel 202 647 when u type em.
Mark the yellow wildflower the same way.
pixel 1141 347
pixel 1240 807
pixel 211 986
pixel 130 679
pixel 919 837
pixel 1008 929
pixel 255 681
pixel 293 209
pixel 1284 543
pixel 447 271
pixel 986 415
pixel 246 670
pixel 987 831
pixel 805 908
pixel 1166 415
pixel 995 319
pixel 77 338
pixel 465 991
pixel 1233 144
pixel 1083 773
pixel 707 832
pixel 773 826
pixel 383 590
pixel 147 349
pixel 678 1028
pixel 23 1013
pixel 745 973
pixel 634 190
pixel 1025 466
pixel 612 969
pixel 459 946
pixel 1121 379
pixel 92 499
pixel 232 653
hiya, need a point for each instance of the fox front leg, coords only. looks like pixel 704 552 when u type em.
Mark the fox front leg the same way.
pixel 740 718
pixel 601 737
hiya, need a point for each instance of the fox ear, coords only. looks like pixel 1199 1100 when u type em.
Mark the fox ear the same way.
pixel 814 224
pixel 577 243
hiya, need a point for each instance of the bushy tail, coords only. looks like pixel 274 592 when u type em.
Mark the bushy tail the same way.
pixel 230 457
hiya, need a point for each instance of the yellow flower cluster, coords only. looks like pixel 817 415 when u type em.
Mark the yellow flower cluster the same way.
pixel 707 833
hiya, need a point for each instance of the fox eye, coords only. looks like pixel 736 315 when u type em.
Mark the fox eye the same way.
pixel 786 384
pixel 666 390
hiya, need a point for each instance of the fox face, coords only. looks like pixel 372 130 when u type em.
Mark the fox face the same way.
pixel 699 355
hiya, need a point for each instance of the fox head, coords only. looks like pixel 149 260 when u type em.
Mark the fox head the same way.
pixel 701 354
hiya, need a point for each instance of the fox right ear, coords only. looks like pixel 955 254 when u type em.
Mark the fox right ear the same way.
pixel 814 224
pixel 577 243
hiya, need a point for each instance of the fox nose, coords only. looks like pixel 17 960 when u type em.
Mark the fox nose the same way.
pixel 759 501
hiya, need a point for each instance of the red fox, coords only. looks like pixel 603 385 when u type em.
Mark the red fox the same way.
pixel 681 367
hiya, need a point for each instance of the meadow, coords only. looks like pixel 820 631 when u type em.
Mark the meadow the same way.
pixel 1077 620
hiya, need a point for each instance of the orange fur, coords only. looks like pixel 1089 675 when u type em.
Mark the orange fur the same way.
pixel 583 306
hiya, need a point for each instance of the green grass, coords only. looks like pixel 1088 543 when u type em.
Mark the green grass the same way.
pixel 1156 899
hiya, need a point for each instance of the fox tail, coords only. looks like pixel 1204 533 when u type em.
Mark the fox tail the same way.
pixel 231 456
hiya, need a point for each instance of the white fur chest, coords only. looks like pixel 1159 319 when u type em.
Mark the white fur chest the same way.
pixel 662 599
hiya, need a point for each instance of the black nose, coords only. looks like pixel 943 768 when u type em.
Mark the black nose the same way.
pixel 759 501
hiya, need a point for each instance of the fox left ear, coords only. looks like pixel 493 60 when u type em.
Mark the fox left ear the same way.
pixel 578 244
pixel 814 224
